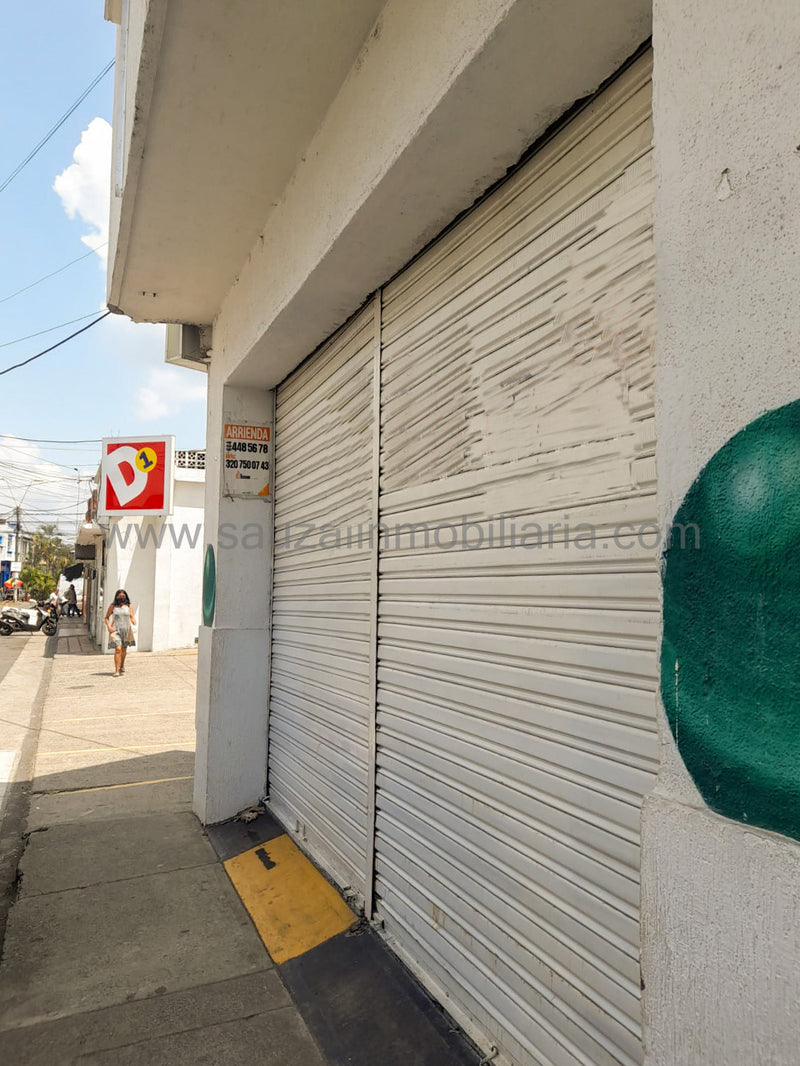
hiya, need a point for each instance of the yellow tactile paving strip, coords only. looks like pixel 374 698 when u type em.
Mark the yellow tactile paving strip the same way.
pixel 292 906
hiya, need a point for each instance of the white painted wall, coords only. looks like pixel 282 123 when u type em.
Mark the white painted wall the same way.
pixel 117 573
pixel 7 543
pixel 92 608
pixel 233 660
pixel 132 94
pixel 186 576
pixel 720 901
pixel 164 583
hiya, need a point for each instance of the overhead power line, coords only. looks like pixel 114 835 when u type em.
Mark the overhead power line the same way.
pixel 39 512
pixel 25 470
pixel 41 332
pixel 52 347
pixel 38 440
pixel 53 273
pixel 40 461
pixel 22 475
pixel 58 125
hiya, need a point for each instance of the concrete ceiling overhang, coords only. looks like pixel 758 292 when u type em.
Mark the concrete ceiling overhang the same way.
pixel 284 166
pixel 228 97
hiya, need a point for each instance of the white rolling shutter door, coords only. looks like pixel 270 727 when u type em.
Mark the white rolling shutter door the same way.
pixel 516 726
pixel 320 689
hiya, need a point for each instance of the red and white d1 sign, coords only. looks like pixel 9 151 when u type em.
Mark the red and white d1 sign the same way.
pixel 136 476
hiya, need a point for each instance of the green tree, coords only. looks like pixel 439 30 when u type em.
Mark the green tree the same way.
pixel 37 583
pixel 49 553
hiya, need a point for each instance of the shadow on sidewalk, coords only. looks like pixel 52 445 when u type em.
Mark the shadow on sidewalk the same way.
pixel 125 787
pixel 136 771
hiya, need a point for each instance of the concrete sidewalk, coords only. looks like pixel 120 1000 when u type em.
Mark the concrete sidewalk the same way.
pixel 127 942
pixel 131 940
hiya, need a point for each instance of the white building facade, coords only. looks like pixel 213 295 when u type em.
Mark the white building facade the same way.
pixel 423 266
pixel 12 554
pixel 157 560
pixel 6 550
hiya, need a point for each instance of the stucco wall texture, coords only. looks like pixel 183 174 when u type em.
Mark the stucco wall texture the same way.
pixel 232 674
pixel 721 900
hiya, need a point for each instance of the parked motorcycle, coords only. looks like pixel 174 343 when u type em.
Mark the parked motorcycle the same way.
pixel 31 619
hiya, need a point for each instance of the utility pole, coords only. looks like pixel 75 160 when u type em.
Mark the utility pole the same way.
pixel 16 551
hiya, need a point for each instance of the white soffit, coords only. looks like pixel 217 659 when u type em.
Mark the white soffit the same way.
pixel 239 91
pixel 286 173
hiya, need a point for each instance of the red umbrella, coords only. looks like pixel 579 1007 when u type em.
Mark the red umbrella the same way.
pixel 11 583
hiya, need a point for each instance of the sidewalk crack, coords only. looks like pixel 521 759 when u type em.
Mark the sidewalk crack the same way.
pixel 117 880
pixel 182 1032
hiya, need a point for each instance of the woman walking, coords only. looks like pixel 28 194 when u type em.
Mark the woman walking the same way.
pixel 119 623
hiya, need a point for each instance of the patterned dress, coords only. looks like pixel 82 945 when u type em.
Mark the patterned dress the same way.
pixel 121 621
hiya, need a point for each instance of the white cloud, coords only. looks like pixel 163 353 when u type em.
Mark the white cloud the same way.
pixel 149 405
pixel 167 391
pixel 84 187
pixel 154 390
pixel 164 390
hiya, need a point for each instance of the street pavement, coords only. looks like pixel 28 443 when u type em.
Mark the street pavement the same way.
pixel 28 661
pixel 125 942
pixel 10 648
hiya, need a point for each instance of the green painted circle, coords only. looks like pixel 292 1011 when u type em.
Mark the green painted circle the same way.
pixel 730 657
pixel 209 586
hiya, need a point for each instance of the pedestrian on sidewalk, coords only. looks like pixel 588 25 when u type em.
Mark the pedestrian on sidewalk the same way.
pixel 71 597
pixel 120 621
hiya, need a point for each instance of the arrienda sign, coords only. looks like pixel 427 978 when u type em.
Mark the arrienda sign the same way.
pixel 136 476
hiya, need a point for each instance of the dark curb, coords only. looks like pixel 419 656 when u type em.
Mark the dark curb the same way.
pixel 359 1001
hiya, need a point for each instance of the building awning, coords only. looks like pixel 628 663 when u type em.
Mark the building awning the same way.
pixel 73 571
pixel 88 533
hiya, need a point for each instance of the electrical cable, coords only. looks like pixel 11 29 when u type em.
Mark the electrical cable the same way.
pixel 31 511
pixel 72 321
pixel 15 475
pixel 47 277
pixel 52 347
pixel 43 476
pixel 85 454
pixel 88 467
pixel 15 459
pixel 56 491
pixel 18 477
pixel 37 440
pixel 22 457
pixel 55 128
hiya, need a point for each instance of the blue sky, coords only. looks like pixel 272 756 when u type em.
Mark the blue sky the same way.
pixel 111 380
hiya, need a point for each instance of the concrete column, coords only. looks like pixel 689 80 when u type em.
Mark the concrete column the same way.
pixel 720 895
pixel 233 654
